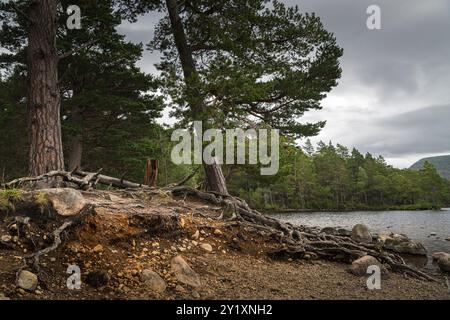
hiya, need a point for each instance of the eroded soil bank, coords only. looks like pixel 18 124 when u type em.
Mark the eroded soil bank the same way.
pixel 129 234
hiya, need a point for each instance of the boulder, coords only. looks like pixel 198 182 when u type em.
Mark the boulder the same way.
pixel 27 280
pixel 184 273
pixel 65 201
pixel 400 243
pixel 359 266
pixel 361 233
pixel 444 263
pixel 437 255
pixel 153 281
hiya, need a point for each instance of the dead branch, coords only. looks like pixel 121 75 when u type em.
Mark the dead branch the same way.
pixel 84 183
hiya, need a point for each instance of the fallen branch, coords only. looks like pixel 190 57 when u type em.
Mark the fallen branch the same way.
pixel 84 183
pixel 111 181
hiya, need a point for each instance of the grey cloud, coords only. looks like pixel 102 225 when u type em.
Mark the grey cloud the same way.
pixel 415 132
pixel 386 74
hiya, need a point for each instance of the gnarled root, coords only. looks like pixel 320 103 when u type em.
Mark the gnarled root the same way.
pixel 300 240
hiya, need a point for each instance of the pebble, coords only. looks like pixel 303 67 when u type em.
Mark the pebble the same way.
pixel 27 280
pixel 207 247
pixel 196 235
pixel 217 232
pixel 6 238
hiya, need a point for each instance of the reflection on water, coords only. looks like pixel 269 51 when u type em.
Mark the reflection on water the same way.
pixel 418 225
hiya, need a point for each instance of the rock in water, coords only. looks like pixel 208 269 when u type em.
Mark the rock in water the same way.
pixel 153 281
pixel 359 266
pixel 65 201
pixel 443 260
pixel 400 243
pixel 184 273
pixel 27 280
pixel 444 263
pixel 361 233
pixel 437 255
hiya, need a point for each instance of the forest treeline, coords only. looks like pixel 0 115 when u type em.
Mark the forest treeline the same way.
pixel 75 99
pixel 321 177
pixel 332 177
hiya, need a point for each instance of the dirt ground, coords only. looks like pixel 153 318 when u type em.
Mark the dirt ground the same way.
pixel 129 234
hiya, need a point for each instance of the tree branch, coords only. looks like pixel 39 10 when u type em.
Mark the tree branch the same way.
pixel 75 50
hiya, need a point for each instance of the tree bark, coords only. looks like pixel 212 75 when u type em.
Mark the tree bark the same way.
pixel 215 180
pixel 43 95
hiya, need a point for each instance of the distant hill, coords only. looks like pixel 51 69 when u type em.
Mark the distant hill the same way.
pixel 442 164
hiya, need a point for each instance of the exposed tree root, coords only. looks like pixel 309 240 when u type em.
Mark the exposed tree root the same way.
pixel 34 257
pixel 300 240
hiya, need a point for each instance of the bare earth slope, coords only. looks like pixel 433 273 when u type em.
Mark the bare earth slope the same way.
pixel 130 233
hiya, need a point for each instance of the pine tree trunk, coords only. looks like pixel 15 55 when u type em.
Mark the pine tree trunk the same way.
pixel 43 96
pixel 215 180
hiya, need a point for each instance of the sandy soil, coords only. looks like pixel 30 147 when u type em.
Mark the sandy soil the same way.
pixel 125 237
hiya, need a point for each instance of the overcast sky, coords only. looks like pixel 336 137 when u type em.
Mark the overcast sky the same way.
pixel 394 96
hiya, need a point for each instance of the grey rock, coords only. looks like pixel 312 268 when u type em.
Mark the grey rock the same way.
pixel 153 281
pixel 400 243
pixel 361 233
pixel 65 201
pixel 359 266
pixel 444 263
pixel 184 273
pixel 27 280
pixel 437 255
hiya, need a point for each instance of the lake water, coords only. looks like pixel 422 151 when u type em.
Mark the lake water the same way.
pixel 418 225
